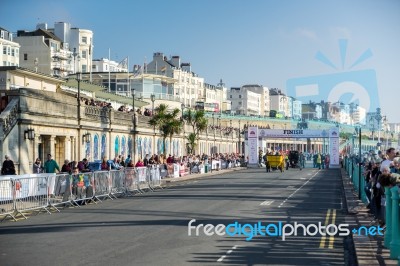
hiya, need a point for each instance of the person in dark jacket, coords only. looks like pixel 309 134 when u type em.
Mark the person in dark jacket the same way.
pixel 8 167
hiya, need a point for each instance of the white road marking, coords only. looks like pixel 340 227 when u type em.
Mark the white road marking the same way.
pixel 266 203
pixel 228 252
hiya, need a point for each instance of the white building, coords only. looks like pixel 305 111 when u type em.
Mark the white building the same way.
pixel 106 65
pixel 359 116
pixel 265 101
pixel 297 109
pixel 279 102
pixel 188 86
pixel 44 52
pixel 79 42
pixel 9 49
pixel 245 102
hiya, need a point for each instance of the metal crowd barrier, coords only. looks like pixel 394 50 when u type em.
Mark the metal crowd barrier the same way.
pixel 45 192
pixel 131 181
pixel 142 178
pixel 102 185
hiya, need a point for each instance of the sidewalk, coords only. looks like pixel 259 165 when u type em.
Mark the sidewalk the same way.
pixel 170 180
pixel 369 249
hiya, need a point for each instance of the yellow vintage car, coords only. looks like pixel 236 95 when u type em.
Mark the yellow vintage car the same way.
pixel 276 162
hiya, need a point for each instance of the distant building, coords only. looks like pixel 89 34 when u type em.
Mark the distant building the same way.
pixel 245 102
pixel 106 65
pixel 9 49
pixel 279 102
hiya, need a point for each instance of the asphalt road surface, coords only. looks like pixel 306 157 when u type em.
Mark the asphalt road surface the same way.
pixel 152 229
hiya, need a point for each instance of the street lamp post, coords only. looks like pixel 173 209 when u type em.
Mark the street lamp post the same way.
pixel 75 54
pixel 378 118
pixel 359 162
pixel 153 98
pixel 240 143
pixel 213 117
pixel 231 130
pixel 134 123
pixel 78 98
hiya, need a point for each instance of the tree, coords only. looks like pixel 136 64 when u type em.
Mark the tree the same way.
pixel 167 122
pixel 196 119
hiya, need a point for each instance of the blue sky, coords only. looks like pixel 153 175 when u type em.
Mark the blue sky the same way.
pixel 243 42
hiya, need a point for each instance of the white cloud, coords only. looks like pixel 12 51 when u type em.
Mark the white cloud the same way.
pixel 340 33
pixel 307 33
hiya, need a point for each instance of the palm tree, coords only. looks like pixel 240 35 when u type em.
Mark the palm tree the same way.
pixel 197 120
pixel 167 122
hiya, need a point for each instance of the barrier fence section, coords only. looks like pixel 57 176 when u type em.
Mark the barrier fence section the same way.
pixel 391 204
pixel 7 197
pixel 102 185
pixel 131 181
pixel 20 194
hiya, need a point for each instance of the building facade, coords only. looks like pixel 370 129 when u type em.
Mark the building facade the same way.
pixel 9 49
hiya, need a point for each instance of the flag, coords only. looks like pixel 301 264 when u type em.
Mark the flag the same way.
pixel 164 68
pixel 123 63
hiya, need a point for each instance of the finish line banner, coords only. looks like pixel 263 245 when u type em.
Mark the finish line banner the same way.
pixel 292 133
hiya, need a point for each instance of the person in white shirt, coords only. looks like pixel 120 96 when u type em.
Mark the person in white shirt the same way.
pixel 390 154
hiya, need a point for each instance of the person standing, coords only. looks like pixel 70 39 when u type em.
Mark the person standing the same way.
pixel 8 167
pixel 50 165
pixel 37 166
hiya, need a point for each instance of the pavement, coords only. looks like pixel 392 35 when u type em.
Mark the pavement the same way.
pixel 369 250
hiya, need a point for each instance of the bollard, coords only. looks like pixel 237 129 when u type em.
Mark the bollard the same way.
pixel 395 244
pixel 388 232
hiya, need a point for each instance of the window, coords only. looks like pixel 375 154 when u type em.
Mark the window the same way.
pixel 16 52
pixel 2 34
pixel 84 39
pixel 25 57
pixel 9 50
pixel 84 54
pixel 230 96
pixel 84 67
pixel 240 96
pixel 4 49
pixel 12 52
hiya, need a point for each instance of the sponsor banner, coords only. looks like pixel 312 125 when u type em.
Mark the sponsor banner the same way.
pixel 334 147
pixel 294 133
pixel 253 150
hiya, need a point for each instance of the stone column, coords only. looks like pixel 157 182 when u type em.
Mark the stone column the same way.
pixel 67 148
pixel 52 142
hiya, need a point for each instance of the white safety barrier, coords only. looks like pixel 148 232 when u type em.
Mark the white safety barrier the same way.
pixel 131 181
pixel 141 173
pixel 155 177
pixel 102 185
pixel 24 194
pixel 117 182
pixel 7 197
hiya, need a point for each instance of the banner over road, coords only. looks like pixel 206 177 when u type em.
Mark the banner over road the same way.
pixel 295 133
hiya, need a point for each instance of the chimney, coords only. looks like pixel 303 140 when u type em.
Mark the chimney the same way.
pixel 186 67
pixel 175 61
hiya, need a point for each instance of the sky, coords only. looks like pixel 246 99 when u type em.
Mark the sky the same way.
pixel 313 50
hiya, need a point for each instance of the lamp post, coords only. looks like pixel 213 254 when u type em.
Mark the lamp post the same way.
pixel 75 54
pixel 213 117
pixel 378 118
pixel 231 130
pixel 153 98
pixel 240 143
pixel 78 98
pixel 359 161
pixel 134 122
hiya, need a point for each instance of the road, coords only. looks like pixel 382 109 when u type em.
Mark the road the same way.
pixel 152 229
